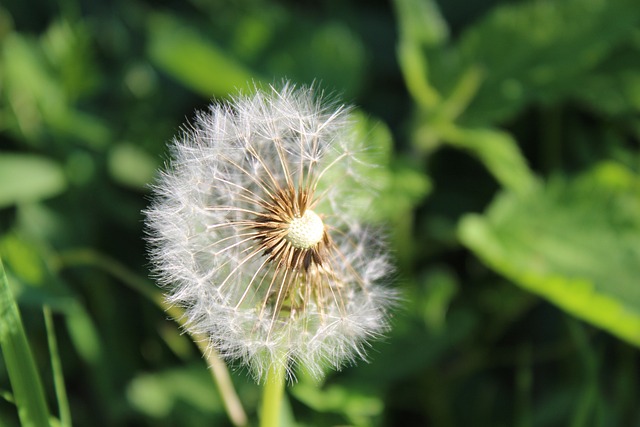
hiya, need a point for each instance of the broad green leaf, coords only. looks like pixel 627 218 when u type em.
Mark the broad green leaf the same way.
pixel 28 178
pixel 198 63
pixel 533 51
pixel 18 359
pixel 575 243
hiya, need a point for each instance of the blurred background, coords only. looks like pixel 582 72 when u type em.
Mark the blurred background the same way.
pixel 510 132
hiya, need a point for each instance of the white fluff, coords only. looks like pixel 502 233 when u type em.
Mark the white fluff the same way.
pixel 210 264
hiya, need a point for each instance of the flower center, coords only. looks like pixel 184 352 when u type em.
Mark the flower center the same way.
pixel 305 231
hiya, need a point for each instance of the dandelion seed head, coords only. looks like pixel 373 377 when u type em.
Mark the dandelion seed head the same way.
pixel 306 231
pixel 256 231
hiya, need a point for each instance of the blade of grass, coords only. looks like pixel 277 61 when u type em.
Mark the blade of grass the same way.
pixel 56 366
pixel 25 381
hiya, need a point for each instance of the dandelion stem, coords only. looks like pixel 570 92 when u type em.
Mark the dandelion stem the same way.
pixel 272 396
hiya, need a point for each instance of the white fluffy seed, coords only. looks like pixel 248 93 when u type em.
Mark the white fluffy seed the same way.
pixel 313 303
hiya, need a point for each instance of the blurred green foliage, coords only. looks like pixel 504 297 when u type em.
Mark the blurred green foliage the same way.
pixel 508 134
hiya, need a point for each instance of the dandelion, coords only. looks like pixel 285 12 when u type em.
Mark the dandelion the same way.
pixel 256 232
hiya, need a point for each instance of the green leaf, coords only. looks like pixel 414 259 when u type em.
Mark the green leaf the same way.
pixel 131 166
pixel 421 27
pixel 33 94
pixel 24 261
pixel 358 406
pixel 182 52
pixel 38 98
pixel 440 288
pixel 534 51
pixel 25 381
pixel 575 243
pixel 370 165
pixel 157 394
pixel 28 178
pixel 614 87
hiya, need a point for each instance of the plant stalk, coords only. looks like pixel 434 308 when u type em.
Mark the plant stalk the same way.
pixel 272 396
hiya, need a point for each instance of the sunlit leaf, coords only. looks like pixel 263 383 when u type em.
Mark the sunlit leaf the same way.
pixel 356 406
pixel 23 258
pixel 28 178
pixel 534 51
pixel 575 243
pixel 421 27
pixel 157 394
pixel 131 166
pixel 198 63
pixel 32 92
pixel 39 100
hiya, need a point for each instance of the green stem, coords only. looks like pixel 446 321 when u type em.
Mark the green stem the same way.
pixel 272 397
